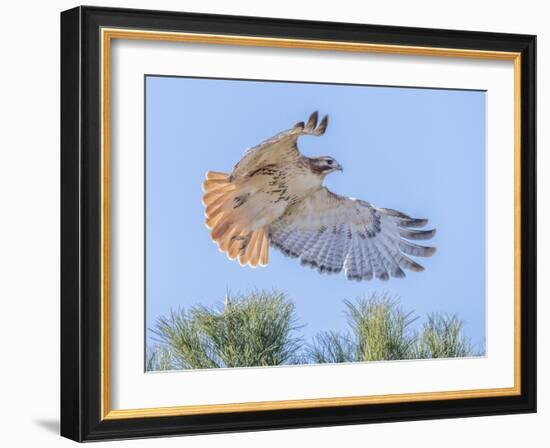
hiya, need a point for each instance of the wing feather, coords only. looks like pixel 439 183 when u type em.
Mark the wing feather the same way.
pixel 333 233
pixel 279 148
pixel 367 269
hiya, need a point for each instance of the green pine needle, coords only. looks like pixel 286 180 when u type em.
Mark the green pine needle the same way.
pixel 257 329
pixel 261 329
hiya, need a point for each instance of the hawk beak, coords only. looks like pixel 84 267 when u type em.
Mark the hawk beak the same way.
pixel 339 168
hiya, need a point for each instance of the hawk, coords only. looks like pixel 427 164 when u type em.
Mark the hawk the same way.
pixel 275 197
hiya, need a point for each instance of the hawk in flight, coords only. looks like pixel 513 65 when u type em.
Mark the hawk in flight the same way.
pixel 275 196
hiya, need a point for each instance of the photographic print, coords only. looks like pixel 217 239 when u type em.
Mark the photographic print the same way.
pixel 292 223
pixel 336 219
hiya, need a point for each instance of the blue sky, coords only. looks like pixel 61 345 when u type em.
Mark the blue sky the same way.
pixel 420 151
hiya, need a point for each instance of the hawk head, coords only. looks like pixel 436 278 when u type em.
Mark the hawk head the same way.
pixel 324 165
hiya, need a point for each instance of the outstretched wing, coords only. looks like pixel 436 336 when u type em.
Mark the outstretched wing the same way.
pixel 278 148
pixel 334 233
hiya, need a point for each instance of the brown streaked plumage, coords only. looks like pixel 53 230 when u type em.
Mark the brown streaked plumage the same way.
pixel 274 196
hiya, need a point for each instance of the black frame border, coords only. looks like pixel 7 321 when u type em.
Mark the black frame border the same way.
pixel 81 224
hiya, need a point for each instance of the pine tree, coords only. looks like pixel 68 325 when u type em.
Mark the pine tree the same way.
pixel 257 329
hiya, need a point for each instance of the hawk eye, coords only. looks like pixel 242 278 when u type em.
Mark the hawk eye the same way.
pixel 329 162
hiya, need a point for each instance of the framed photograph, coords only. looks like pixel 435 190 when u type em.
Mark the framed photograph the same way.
pixel 273 223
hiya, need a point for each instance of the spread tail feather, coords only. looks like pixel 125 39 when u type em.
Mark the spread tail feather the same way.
pixel 210 175
pixel 250 247
pixel 264 250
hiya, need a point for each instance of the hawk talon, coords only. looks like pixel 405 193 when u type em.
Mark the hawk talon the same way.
pixel 245 242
